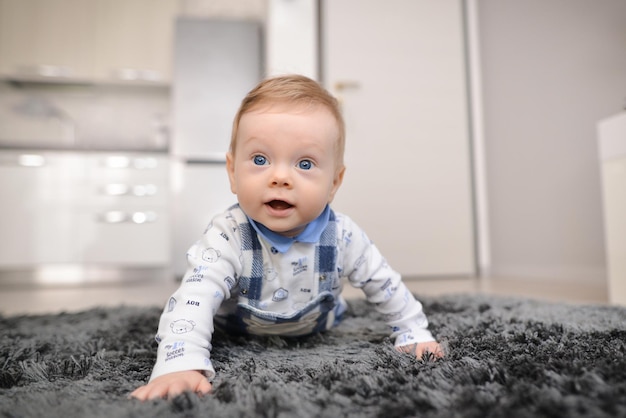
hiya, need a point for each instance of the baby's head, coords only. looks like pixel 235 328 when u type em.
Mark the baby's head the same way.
pixel 285 161
pixel 295 91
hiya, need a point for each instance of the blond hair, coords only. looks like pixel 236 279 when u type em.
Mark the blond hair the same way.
pixel 291 89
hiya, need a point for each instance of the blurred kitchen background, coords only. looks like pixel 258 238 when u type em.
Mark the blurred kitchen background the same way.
pixel 486 138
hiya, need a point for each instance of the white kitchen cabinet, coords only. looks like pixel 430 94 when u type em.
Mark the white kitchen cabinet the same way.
pixel 127 179
pixel 134 40
pixel 126 236
pixel 38 193
pixel 192 211
pixel 614 194
pixel 103 41
pixel 612 146
pixel 92 208
pixel 124 218
pixel 47 39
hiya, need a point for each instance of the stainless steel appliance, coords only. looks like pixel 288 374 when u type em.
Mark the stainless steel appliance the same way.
pixel 216 63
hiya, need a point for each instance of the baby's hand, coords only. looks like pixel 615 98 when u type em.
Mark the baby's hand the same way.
pixel 172 384
pixel 431 348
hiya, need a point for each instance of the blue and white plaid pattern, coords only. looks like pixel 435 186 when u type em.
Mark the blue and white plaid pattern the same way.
pixel 251 282
pixel 251 279
pixel 326 256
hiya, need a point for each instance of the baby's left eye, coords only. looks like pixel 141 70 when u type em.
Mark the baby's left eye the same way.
pixel 305 164
pixel 259 160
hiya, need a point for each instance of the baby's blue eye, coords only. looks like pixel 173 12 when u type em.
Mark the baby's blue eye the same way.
pixel 259 160
pixel 305 164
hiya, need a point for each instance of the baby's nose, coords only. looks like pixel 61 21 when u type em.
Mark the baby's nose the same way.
pixel 281 177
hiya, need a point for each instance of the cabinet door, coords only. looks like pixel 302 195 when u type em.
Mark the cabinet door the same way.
pixel 37 220
pixel 134 40
pixel 614 199
pixel 127 179
pixel 47 38
pixel 193 210
pixel 398 67
pixel 124 217
pixel 124 236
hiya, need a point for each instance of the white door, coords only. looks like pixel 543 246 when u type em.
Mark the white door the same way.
pixel 398 67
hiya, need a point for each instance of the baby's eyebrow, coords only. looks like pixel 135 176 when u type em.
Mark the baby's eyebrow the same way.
pixel 249 139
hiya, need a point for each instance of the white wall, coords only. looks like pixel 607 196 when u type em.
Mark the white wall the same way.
pixel 550 71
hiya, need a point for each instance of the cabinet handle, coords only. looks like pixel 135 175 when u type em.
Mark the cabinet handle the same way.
pixel 47 71
pixel 115 189
pixel 118 217
pixel 134 74
pixel 31 160
pixel 138 190
pixel 142 190
pixel 122 161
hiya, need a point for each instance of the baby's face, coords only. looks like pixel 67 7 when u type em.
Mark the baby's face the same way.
pixel 283 170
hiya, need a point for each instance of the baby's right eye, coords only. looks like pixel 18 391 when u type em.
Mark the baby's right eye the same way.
pixel 259 160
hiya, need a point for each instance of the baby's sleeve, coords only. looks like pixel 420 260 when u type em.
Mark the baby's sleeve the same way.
pixel 368 270
pixel 186 324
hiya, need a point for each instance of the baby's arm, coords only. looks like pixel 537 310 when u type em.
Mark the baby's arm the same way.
pixel 367 269
pixel 172 384
pixel 186 326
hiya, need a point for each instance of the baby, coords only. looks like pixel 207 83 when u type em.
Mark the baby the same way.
pixel 275 262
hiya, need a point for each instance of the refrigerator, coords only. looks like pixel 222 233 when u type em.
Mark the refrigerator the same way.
pixel 216 62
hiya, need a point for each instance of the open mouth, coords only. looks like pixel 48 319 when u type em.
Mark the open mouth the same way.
pixel 279 204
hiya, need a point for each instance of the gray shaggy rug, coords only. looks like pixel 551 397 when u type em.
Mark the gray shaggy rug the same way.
pixel 505 358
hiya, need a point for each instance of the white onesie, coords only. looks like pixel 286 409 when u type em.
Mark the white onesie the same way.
pixel 245 279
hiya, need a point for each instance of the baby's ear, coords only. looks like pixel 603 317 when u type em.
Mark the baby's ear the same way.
pixel 230 168
pixel 336 183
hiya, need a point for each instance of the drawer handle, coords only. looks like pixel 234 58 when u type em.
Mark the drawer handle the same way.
pixel 135 74
pixel 139 190
pixel 115 189
pixel 122 161
pixel 47 71
pixel 31 160
pixel 118 217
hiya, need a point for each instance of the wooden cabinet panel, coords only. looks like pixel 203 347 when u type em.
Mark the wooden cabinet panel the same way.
pixel 134 40
pixel 106 41
pixel 50 39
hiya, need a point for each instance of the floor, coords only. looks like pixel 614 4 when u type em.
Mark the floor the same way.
pixel 14 301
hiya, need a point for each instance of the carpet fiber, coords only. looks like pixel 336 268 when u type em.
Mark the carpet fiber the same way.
pixel 505 358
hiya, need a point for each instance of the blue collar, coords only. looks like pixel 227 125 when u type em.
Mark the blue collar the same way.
pixel 311 234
